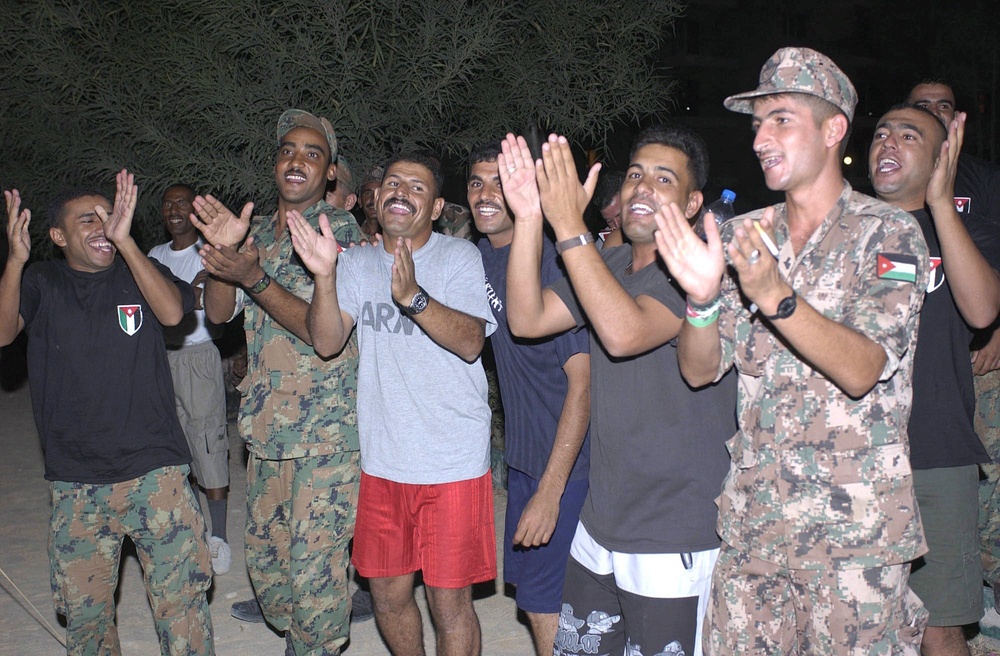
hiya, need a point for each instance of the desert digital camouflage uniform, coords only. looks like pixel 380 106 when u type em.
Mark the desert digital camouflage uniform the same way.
pixel 159 512
pixel 820 483
pixel 987 423
pixel 298 417
pixel 455 221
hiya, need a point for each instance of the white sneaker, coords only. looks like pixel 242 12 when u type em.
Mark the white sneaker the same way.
pixel 222 555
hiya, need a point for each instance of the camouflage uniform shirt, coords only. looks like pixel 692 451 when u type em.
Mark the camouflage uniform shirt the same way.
pixel 295 404
pixel 819 479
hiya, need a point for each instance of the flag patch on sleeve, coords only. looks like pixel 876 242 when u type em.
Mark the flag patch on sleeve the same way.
pixel 897 266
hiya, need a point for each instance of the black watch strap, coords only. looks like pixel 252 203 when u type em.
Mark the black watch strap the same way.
pixel 785 308
pixel 418 303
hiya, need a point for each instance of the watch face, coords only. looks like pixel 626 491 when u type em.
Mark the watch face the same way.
pixel 419 302
pixel 786 307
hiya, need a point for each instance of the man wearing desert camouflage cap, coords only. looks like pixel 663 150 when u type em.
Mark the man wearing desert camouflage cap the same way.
pixel 817 515
pixel 298 413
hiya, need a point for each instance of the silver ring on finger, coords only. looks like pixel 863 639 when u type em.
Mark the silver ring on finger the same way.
pixel 754 256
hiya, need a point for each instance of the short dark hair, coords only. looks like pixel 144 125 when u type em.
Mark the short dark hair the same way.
pixel 179 185
pixel 920 108
pixel 484 152
pixel 680 138
pixel 431 163
pixel 55 213
pixel 931 80
pixel 608 185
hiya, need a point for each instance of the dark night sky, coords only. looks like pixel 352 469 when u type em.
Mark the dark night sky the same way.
pixel 883 46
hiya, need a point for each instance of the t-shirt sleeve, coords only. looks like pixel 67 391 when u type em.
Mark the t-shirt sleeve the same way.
pixel 465 288
pixel 659 287
pixel 564 289
pixel 347 287
pixel 31 297
pixel 187 294
pixel 985 234
pixel 885 309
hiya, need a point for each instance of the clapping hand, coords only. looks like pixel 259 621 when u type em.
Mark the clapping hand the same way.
pixel 18 238
pixel 318 250
pixel 564 199
pixel 118 225
pixel 218 224
pixel 517 178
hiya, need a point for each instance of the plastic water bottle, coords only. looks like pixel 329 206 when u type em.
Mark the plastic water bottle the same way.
pixel 722 210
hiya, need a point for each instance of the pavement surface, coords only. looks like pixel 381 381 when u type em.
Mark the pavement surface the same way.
pixel 24 515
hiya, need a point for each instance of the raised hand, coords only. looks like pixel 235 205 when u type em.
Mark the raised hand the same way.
pixel 318 250
pixel 697 266
pixel 404 281
pixel 941 187
pixel 18 220
pixel 517 178
pixel 564 199
pixel 118 225
pixel 218 224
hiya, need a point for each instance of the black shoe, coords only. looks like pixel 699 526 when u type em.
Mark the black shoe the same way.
pixel 248 611
pixel 361 606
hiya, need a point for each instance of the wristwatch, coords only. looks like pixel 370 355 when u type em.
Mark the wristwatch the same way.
pixel 260 285
pixel 418 303
pixel 785 308
pixel 573 242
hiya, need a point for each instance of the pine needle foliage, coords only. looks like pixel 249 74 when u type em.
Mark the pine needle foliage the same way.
pixel 189 90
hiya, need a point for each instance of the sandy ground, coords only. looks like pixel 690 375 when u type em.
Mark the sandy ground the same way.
pixel 24 509
pixel 24 512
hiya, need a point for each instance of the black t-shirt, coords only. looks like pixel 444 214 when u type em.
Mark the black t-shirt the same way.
pixel 977 191
pixel 941 423
pixel 977 188
pixel 533 385
pixel 97 368
pixel 657 452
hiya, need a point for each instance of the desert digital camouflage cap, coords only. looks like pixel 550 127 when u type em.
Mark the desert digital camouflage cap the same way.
pixel 800 70
pixel 345 174
pixel 299 118
pixel 374 174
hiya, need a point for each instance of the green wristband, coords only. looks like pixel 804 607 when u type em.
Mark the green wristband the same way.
pixel 701 322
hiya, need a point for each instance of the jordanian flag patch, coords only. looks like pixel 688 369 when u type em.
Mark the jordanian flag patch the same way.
pixel 896 266
pixel 130 318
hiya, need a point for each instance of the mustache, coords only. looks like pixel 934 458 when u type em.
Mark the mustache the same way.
pixel 486 203
pixel 401 201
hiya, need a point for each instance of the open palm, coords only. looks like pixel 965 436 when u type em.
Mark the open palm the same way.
pixel 318 250
pixel 217 222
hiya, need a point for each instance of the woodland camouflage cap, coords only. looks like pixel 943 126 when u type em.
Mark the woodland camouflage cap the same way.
pixel 800 70
pixel 345 174
pixel 374 174
pixel 299 118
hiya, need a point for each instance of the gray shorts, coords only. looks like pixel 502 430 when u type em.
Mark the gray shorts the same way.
pixel 200 396
pixel 949 577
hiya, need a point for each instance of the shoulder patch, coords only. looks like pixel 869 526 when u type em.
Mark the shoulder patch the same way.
pixel 897 266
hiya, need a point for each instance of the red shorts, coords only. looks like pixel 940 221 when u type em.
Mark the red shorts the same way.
pixel 445 529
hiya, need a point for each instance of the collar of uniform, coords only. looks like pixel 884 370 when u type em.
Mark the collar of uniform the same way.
pixel 787 258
